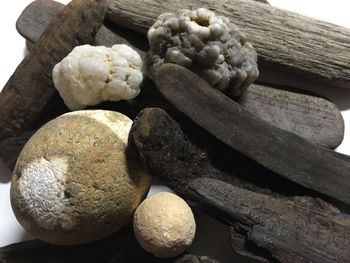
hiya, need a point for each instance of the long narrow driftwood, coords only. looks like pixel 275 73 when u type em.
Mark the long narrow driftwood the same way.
pixel 287 44
pixel 283 152
pixel 121 247
pixel 313 118
pixel 30 87
pixel 272 229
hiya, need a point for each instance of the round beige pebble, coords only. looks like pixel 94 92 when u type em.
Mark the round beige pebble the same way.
pixel 164 225
pixel 73 182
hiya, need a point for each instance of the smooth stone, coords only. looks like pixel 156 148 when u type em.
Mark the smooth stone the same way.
pixel 74 182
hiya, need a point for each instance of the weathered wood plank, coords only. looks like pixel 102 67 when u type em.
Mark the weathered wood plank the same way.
pixel 312 118
pixel 272 229
pixel 121 247
pixel 283 152
pixel 30 87
pixel 315 119
pixel 287 43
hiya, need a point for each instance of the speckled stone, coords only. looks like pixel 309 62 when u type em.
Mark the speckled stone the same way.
pixel 73 182
pixel 164 225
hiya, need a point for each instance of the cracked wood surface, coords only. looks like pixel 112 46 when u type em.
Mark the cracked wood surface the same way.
pixel 271 229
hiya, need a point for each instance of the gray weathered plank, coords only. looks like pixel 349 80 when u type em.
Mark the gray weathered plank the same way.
pixel 315 119
pixel 288 44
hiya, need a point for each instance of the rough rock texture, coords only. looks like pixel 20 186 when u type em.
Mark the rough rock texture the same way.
pixel 208 44
pixel 164 225
pixel 73 182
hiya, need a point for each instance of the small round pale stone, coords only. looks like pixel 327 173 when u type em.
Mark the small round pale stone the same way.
pixel 73 182
pixel 164 225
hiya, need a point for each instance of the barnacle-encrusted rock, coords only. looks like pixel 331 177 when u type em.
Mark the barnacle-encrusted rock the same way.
pixel 73 182
pixel 207 44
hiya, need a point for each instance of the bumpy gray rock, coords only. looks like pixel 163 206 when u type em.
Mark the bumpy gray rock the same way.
pixel 207 44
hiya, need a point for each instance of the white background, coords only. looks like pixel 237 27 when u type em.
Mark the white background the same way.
pixel 13 49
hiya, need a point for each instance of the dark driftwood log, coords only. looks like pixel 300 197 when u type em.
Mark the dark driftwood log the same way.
pixel 30 87
pixel 283 152
pixel 159 143
pixel 288 44
pixel 312 118
pixel 272 229
pixel 121 247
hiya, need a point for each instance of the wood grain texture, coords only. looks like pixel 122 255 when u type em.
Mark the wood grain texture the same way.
pixel 272 229
pixel 287 43
pixel 121 247
pixel 283 152
pixel 30 87
pixel 312 118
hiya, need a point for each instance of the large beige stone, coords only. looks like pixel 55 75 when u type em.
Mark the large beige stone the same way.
pixel 73 182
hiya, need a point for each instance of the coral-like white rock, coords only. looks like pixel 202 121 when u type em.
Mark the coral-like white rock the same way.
pixel 90 75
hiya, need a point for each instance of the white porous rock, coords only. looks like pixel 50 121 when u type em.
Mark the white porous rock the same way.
pixel 209 45
pixel 90 75
pixel 164 225
pixel 73 182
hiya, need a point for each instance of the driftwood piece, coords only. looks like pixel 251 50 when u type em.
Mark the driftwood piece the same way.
pixel 312 118
pixel 160 144
pixel 283 152
pixel 315 119
pixel 30 87
pixel 288 44
pixel 272 229
pixel 121 247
